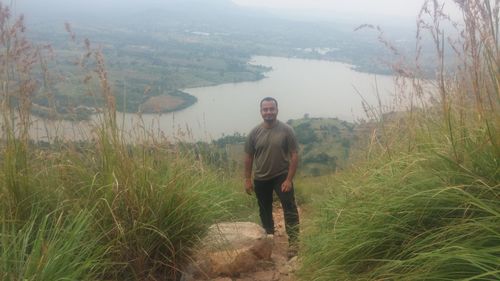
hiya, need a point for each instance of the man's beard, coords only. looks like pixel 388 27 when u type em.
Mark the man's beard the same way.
pixel 269 120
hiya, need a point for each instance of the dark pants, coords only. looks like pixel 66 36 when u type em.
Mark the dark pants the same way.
pixel 264 191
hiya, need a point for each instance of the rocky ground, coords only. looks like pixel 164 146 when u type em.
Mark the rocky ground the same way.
pixel 277 268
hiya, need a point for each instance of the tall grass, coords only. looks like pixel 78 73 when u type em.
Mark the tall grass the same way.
pixel 103 208
pixel 427 206
pixel 17 61
pixel 51 246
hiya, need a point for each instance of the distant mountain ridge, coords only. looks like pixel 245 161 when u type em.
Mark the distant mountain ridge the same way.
pixel 90 11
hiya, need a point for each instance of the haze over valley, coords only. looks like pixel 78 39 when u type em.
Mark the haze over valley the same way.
pixel 154 49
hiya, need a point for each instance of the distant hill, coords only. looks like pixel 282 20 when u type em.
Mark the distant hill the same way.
pixel 325 143
pixel 99 11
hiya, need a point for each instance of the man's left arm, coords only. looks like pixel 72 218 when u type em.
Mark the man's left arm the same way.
pixel 292 168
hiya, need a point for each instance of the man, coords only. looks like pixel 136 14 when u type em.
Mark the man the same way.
pixel 272 147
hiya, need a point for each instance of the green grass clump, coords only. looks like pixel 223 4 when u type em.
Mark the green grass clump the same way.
pixel 140 211
pixel 54 246
pixel 154 220
pixel 415 218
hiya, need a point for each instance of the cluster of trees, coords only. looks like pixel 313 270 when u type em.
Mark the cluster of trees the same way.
pixel 325 145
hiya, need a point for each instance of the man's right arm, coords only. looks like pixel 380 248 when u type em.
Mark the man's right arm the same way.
pixel 248 173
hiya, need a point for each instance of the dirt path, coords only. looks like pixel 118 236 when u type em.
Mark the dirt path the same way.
pixel 279 268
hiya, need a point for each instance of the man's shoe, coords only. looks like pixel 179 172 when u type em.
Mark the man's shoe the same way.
pixel 270 237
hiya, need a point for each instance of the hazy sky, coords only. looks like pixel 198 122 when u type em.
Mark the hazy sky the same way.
pixel 355 11
pixel 407 9
pixel 375 7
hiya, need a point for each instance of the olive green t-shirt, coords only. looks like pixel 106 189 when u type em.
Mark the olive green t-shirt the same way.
pixel 271 149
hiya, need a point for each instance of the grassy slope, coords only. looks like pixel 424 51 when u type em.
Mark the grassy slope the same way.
pixel 100 209
pixel 324 143
pixel 422 202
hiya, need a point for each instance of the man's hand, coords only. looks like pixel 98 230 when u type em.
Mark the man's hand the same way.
pixel 286 185
pixel 248 186
pixel 248 162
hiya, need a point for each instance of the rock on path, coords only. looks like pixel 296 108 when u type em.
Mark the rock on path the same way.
pixel 244 254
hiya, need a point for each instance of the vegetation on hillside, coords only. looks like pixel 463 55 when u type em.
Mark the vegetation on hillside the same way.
pixel 424 203
pixel 139 71
pixel 325 144
pixel 100 209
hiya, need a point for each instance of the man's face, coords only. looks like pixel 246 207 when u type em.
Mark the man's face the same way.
pixel 269 111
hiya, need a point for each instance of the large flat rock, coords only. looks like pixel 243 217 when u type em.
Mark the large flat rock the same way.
pixel 230 249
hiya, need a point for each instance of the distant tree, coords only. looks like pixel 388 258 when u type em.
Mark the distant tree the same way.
pixel 320 158
pixel 315 172
pixel 230 139
pixel 346 143
pixel 305 133
pixel 330 129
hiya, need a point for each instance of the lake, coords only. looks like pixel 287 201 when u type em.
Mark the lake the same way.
pixel 314 87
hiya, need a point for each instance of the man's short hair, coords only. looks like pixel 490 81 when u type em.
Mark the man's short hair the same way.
pixel 269 99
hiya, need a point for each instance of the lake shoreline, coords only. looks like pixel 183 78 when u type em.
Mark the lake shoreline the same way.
pixel 316 88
